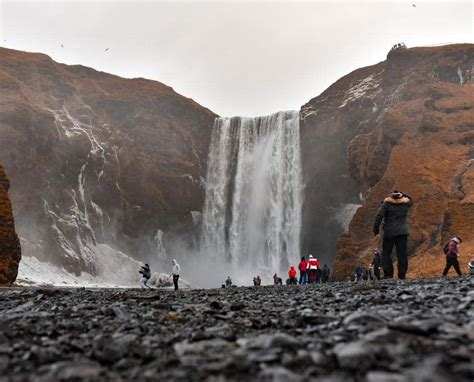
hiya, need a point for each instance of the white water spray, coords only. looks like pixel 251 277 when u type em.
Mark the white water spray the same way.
pixel 252 211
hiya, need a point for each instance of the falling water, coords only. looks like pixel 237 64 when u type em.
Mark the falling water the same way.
pixel 252 211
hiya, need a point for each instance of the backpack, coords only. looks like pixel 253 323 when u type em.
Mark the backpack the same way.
pixel 446 248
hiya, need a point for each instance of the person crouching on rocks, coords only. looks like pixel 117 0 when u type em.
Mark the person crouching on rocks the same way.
pixel 292 276
pixel 394 212
pixel 452 254
pixel 312 269
pixel 146 275
pixel 470 267
pixel 302 266
pixel 175 274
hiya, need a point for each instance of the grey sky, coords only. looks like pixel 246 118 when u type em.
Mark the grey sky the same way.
pixel 244 58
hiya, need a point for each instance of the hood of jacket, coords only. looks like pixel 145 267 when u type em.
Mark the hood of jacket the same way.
pixel 403 200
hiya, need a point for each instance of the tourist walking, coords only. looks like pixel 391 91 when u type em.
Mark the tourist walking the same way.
pixel 376 264
pixel 393 213
pixel 277 280
pixel 292 275
pixel 145 271
pixel 452 253
pixel 359 272
pixel 325 273
pixel 312 269
pixel 175 274
pixel 302 268
pixel 257 281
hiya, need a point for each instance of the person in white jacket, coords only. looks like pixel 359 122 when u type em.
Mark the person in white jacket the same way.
pixel 175 274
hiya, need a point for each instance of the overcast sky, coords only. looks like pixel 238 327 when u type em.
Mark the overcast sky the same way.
pixel 237 58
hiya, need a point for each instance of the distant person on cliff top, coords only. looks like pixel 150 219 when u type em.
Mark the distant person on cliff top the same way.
pixel 394 212
pixel 146 275
pixel 175 274
pixel 451 250
pixel 292 275
pixel 302 268
pixel 312 269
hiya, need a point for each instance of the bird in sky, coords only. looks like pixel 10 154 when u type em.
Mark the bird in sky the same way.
pixel 413 5
pixel 106 49
pixel 62 46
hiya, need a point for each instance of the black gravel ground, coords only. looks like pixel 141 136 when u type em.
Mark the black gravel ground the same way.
pixel 391 331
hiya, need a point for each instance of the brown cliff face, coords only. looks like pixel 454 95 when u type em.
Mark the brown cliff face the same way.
pixel 406 124
pixel 96 158
pixel 10 252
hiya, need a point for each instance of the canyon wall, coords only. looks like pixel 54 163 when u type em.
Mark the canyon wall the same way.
pixel 10 253
pixel 94 158
pixel 406 123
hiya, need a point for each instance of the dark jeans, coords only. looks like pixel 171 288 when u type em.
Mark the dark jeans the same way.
pixel 400 243
pixel 303 278
pixel 312 276
pixel 175 281
pixel 452 262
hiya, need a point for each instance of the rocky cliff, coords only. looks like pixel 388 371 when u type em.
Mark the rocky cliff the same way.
pixel 95 158
pixel 10 253
pixel 406 123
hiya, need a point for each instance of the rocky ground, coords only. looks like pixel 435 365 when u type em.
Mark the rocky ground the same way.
pixel 419 330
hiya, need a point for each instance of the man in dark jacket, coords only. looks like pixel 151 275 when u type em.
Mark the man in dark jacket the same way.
pixel 394 212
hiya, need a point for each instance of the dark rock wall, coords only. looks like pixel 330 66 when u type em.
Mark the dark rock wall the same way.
pixel 96 158
pixel 10 252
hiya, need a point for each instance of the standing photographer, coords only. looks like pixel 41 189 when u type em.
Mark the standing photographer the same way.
pixel 394 212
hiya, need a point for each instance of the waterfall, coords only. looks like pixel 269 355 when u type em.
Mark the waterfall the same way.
pixel 253 192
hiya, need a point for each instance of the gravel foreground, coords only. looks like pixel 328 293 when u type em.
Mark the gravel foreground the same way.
pixel 420 330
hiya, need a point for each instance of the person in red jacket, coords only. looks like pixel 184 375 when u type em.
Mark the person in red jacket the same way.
pixel 452 256
pixel 302 267
pixel 292 275
pixel 312 269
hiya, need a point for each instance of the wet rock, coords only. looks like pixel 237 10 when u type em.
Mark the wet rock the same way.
pixel 266 341
pixel 355 355
pixel 383 376
pixel 68 371
pixel 216 305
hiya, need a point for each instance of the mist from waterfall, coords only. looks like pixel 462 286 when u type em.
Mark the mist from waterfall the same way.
pixel 253 193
